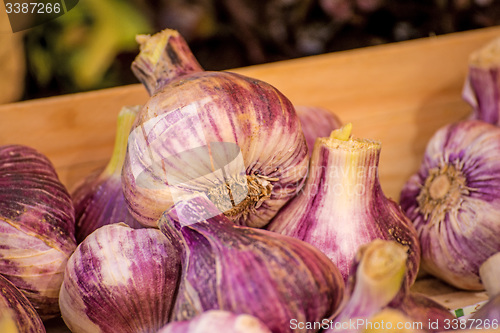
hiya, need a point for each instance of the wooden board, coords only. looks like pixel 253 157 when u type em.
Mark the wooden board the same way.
pixel 398 93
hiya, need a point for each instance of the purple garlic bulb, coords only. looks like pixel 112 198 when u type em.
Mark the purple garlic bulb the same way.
pixel 342 205
pixel 99 199
pixel 247 270
pixel 16 312
pixel 454 201
pixel 234 138
pixel 37 226
pixel 217 321
pixel 120 279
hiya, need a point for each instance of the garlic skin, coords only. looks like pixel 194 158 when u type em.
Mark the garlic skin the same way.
pixel 378 273
pixel 342 205
pixel 120 279
pixel 247 270
pixel 16 312
pixel 217 321
pixel 37 226
pixel 454 203
pixel 316 123
pixel 481 88
pixel 99 199
pixel 234 138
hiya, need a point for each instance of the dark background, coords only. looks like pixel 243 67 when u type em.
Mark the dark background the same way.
pixel 92 46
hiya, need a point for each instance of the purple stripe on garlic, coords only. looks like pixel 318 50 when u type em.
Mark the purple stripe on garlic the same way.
pixel 16 312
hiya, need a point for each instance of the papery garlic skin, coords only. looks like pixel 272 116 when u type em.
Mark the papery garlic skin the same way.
pixel 120 279
pixel 454 203
pixel 37 226
pixel 342 205
pixel 217 321
pixel 247 270
pixel 16 312
pixel 99 199
pixel 198 112
pixel 316 123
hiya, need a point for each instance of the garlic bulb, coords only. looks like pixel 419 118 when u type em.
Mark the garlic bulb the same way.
pixel 120 279
pixel 217 321
pixel 342 206
pixel 481 89
pixel 247 270
pixel 454 203
pixel 37 226
pixel 99 199
pixel 379 270
pixel 16 312
pixel 234 138
pixel 316 123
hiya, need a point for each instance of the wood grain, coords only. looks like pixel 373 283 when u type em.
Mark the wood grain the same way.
pixel 398 93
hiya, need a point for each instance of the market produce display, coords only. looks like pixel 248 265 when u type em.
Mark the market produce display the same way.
pixel 213 214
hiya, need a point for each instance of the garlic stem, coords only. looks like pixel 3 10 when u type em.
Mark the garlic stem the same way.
pixel 163 57
pixel 481 88
pixel 377 280
pixel 126 119
pixel 489 272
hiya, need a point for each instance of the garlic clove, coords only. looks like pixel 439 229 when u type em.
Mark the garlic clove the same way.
pixel 454 204
pixel 37 226
pixel 217 321
pixel 184 139
pixel 316 122
pixel 342 205
pixel 99 199
pixel 248 271
pixel 120 279
pixel 16 312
